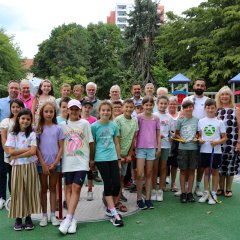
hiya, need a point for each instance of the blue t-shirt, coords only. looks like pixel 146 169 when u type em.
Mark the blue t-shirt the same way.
pixel 104 135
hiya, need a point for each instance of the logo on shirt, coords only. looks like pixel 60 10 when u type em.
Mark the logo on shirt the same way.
pixel 209 130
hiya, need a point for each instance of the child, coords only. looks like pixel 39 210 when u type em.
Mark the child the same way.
pixel 49 153
pixel 65 91
pixel 138 108
pixel 148 148
pixel 6 126
pixel 107 158
pixel 212 133
pixel 78 149
pixel 87 108
pixel 128 127
pixel 21 146
pixel 117 108
pixel 63 109
pixel 78 91
pixel 166 126
pixel 186 132
pixel 45 93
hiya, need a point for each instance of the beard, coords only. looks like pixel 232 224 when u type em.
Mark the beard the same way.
pixel 199 92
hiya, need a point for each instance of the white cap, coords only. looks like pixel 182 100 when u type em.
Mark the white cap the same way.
pixel 74 102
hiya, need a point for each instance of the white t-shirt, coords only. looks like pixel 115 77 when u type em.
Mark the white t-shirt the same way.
pixel 211 129
pixel 76 149
pixel 166 125
pixel 198 111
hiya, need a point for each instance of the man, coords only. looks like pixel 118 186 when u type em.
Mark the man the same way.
pixel 25 94
pixel 136 92
pixel 13 91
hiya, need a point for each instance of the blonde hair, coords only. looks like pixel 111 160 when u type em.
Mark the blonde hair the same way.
pixel 65 85
pixel 220 92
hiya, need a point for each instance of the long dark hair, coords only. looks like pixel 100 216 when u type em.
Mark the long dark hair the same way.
pixel 18 102
pixel 39 92
pixel 17 128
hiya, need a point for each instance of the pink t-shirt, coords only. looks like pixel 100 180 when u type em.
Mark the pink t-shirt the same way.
pixel 91 119
pixel 147 133
pixel 27 102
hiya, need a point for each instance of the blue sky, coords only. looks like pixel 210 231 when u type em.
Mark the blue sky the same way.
pixel 31 21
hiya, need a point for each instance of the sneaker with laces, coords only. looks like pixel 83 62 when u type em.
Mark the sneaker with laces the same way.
pixel 154 195
pixel 116 222
pixel 198 192
pixel 212 201
pixel 190 197
pixel 18 226
pixel 183 198
pixel 73 226
pixel 64 226
pixel 204 197
pixel 160 195
pixel 89 196
pixel 44 221
pixel 123 198
pixel 178 193
pixel 2 203
pixel 54 221
pixel 149 204
pixel 141 204
pixel 28 223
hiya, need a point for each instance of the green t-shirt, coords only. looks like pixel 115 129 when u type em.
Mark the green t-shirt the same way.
pixel 127 129
pixel 188 128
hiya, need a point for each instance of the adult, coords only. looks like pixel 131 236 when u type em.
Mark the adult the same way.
pixel 136 94
pixel 198 100
pixel 114 94
pixel 230 161
pixel 25 95
pixel 13 91
pixel 162 91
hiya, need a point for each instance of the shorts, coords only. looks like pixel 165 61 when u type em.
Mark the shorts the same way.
pixel 77 177
pixel 124 169
pixel 146 153
pixel 172 161
pixel 57 169
pixel 217 159
pixel 164 154
pixel 187 159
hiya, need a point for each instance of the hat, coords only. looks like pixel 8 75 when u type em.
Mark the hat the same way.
pixel 137 104
pixel 85 102
pixel 74 102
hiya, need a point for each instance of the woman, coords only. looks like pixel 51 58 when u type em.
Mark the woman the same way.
pixel 231 118
pixel 114 94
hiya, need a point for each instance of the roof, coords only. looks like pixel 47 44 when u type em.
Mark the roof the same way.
pixel 235 79
pixel 179 78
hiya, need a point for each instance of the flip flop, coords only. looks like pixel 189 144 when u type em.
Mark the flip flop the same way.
pixel 220 192
pixel 120 207
pixel 228 194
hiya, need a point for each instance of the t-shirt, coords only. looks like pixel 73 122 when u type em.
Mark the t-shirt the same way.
pixel 211 129
pixel 127 129
pixel 166 125
pixel 147 133
pixel 188 128
pixel 104 134
pixel 76 149
pixel 198 111
pixel 91 119
pixel 60 119
pixel 21 141
pixel 49 145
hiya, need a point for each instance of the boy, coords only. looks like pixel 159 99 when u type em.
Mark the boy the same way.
pixel 186 132
pixel 117 108
pixel 65 91
pixel 78 91
pixel 138 108
pixel 63 109
pixel 128 127
pixel 212 133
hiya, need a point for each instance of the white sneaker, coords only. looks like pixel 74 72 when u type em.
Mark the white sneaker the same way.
pixel 159 195
pixel 55 221
pixel 167 180
pixel 64 226
pixel 198 192
pixel 178 193
pixel 204 197
pixel 89 196
pixel 44 221
pixel 2 203
pixel 73 226
pixel 213 200
pixel 154 195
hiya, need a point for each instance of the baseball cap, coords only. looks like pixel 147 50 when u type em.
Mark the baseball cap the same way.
pixel 137 104
pixel 74 102
pixel 85 102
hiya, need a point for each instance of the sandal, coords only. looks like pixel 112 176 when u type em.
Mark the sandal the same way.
pixel 174 188
pixel 220 192
pixel 120 207
pixel 228 193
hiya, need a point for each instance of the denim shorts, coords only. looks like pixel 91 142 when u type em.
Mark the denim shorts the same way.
pixel 146 153
pixel 57 169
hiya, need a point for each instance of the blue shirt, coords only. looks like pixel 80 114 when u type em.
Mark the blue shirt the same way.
pixel 4 108
pixel 104 134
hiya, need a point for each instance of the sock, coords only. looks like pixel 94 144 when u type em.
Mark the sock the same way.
pixel 52 214
pixel 69 217
pixel 44 214
pixel 114 213
pixel 198 184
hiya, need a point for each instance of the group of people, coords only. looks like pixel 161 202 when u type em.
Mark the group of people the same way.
pixel 150 137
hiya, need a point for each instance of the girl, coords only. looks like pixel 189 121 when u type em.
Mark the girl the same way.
pixel 63 109
pixel 78 148
pixel 49 153
pixel 45 93
pixel 147 149
pixel 107 158
pixel 6 127
pixel 22 145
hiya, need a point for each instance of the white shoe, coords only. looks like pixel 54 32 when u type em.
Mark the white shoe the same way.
pixel 204 197
pixel 178 193
pixel 89 196
pixel 64 226
pixel 54 221
pixel 167 180
pixel 212 201
pixel 154 195
pixel 44 221
pixel 73 226
pixel 2 203
pixel 159 195
pixel 198 192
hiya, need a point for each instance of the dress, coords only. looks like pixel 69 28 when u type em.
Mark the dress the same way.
pixel 230 160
